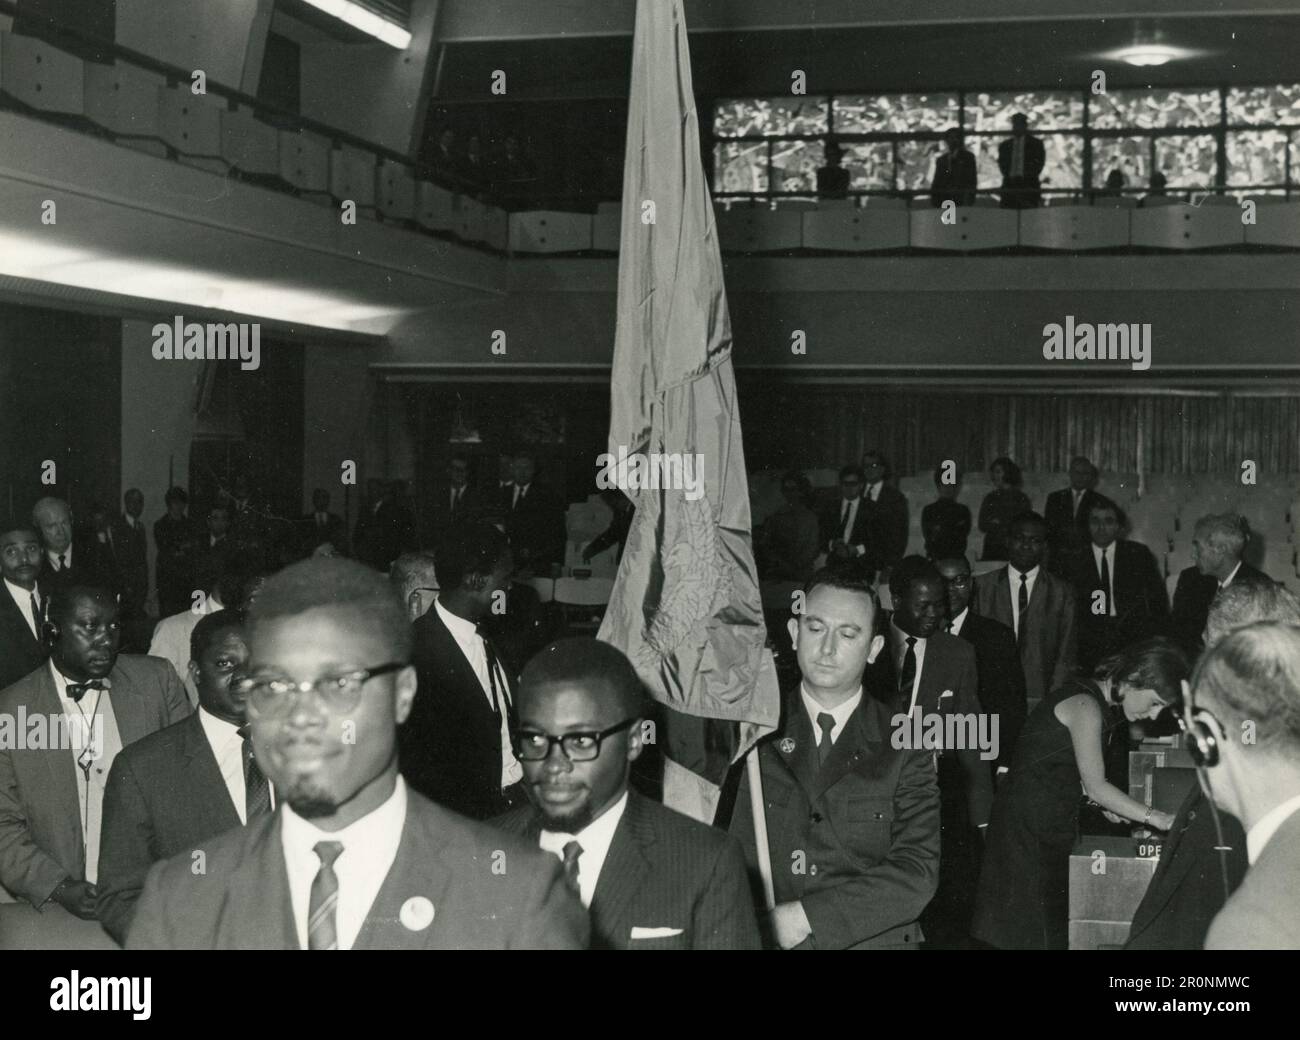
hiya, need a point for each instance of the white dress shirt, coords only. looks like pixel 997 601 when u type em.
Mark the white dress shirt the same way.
pixel 228 747
pixel 521 491
pixel 1109 554
pixel 1013 578
pixel 171 641
pixel 1260 834
pixel 873 490
pixel 369 849
pixel 53 557
pixel 471 645
pixel 840 714
pixel 954 626
pixel 23 599
pixel 1228 580
pixel 898 646
pixel 595 839
pixel 81 718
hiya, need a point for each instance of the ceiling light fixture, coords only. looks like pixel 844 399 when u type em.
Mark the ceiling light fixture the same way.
pixel 366 21
pixel 1146 54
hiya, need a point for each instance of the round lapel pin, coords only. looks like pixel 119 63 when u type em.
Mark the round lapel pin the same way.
pixel 416 913
pixel 787 746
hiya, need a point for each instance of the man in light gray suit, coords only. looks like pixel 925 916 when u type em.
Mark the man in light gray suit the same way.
pixel 1035 604
pixel 87 703
pixel 1243 717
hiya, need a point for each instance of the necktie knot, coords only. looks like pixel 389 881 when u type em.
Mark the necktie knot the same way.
pixel 63 561
pixel 911 642
pixel 327 852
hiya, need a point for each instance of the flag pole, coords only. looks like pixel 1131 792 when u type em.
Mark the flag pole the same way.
pixel 760 826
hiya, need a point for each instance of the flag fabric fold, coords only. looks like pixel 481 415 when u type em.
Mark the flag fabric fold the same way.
pixel 685 607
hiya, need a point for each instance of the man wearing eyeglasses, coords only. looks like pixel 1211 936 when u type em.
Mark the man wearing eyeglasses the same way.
pixel 350 859
pixel 652 878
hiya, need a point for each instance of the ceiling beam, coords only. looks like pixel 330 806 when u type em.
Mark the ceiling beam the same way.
pixel 469 21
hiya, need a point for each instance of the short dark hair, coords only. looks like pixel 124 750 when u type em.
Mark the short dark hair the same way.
pixel 176 494
pixel 325 581
pixel 474 547
pixel 210 626
pixel 908 570
pixel 879 456
pixel 14 523
pixel 848 576
pixel 853 470
pixel 1157 663
pixel 64 598
pixel 588 662
pixel 1009 469
pixel 1102 502
pixel 1026 516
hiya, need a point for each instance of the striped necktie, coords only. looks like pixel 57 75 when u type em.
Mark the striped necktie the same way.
pixel 322 928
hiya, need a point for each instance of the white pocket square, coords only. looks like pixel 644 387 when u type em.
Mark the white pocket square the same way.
pixel 946 693
pixel 654 933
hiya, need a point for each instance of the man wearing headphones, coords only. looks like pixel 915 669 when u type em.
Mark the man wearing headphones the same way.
pixel 1243 720
pixel 78 711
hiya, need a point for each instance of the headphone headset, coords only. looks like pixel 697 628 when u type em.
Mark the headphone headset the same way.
pixel 1203 747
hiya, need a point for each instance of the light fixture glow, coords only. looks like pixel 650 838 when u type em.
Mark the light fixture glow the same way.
pixel 1147 54
pixel 366 21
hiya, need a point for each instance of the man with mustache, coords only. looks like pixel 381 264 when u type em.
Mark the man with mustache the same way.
pixel 351 858
pixel 22 602
pixel 51 797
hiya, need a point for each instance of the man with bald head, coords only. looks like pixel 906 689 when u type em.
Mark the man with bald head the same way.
pixel 351 858
pixel 51 796
pixel 71 556
pixel 651 877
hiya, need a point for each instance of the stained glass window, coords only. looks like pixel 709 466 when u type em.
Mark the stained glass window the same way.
pixel 1062 166
pixel 871 165
pixel 771 117
pixel 1045 110
pixel 795 163
pixel 1188 162
pixel 1255 105
pixel 1150 109
pixel 1256 156
pixel 916 163
pixel 740 166
pixel 1130 155
pixel 897 113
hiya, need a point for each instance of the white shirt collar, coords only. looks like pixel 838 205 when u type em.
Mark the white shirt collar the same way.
pixel 218 731
pixel 1260 834
pixel 1228 580
pixel 461 629
pixel 22 596
pixel 595 839
pixel 61 688
pixel 840 714
pixel 1014 576
pixel 955 625
pixel 53 557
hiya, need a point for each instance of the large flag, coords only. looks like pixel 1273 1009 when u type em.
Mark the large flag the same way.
pixel 685 607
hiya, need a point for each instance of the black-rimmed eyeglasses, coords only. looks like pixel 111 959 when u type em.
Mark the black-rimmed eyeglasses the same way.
pixel 272 695
pixel 533 746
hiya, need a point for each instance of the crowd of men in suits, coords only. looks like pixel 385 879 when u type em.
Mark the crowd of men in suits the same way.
pixel 412 760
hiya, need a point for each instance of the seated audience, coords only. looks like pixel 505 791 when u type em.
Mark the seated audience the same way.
pixel 842 883
pixel 787 544
pixel 1118 588
pixel 350 859
pixel 172 791
pixel 22 602
pixel 1023 896
pixel 999 506
pixel 945 522
pixel 1194 878
pixel 1035 604
pixel 455 746
pixel 1250 683
pixel 651 877
pixel 1217 546
pixel 51 798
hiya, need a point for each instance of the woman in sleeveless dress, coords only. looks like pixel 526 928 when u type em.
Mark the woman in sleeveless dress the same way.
pixel 1023 896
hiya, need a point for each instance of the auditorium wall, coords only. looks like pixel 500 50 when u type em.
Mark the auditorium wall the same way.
pixel 226 40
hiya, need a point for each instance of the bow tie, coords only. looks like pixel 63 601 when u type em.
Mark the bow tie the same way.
pixel 78 690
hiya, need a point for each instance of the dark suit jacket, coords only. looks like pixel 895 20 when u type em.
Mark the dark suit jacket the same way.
pixel 450 745
pixel 946 526
pixel 832 527
pixel 1141 603
pixel 130 553
pixel 243 901
pixel 165 796
pixel 948 669
pixel 41 842
pixel 92 564
pixel 887 531
pixel 663 870
pixel 856 842
pixel 1047 644
pixel 1067 528
pixel 178 547
pixel 1001 679
pixel 1192 597
pixel 535 526
pixel 1186 890
pixel 1264 914
pixel 443 516
pixel 312 534
pixel 20 651
pixel 1035 160
pixel 954 178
